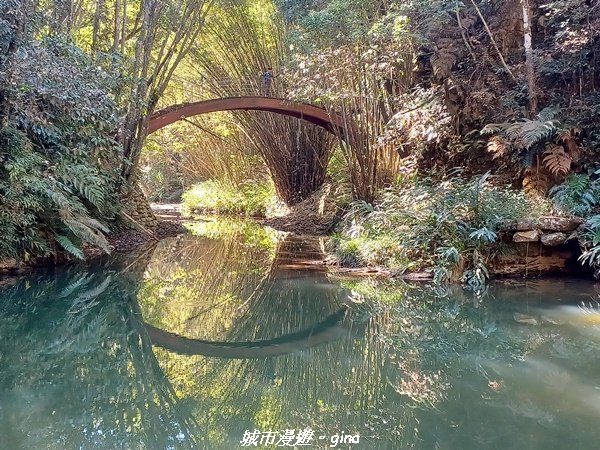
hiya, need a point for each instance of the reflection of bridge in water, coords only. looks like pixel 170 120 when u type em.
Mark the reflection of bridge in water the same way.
pixel 278 291
pixel 326 331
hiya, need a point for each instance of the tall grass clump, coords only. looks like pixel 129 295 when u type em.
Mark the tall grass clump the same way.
pixel 447 227
pixel 213 196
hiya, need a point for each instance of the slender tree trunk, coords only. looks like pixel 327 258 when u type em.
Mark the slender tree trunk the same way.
pixel 124 27
pixel 97 24
pixel 464 36
pixel 117 27
pixel 491 36
pixel 529 62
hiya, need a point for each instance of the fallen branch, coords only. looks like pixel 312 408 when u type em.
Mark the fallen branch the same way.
pixel 487 29
pixel 139 226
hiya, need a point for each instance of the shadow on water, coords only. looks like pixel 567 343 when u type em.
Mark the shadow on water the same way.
pixel 191 344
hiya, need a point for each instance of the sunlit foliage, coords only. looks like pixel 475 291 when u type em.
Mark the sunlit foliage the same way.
pixel 211 196
pixel 450 228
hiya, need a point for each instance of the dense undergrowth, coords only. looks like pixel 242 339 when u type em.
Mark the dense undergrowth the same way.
pixel 449 227
pixel 59 164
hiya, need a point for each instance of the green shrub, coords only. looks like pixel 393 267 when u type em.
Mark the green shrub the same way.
pixel 212 196
pixel 59 163
pixel 44 202
pixel 578 195
pixel 590 239
pixel 449 227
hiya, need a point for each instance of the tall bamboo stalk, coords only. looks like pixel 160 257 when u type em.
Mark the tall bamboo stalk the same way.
pixel 239 47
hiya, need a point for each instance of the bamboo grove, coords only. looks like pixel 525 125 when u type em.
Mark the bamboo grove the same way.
pixel 423 87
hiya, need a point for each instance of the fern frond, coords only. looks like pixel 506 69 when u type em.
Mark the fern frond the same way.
pixel 87 234
pixel 534 131
pixel 578 184
pixel 497 147
pixel 528 157
pixel 71 248
pixel 548 114
pixel 492 128
pixel 514 131
pixel 567 137
pixel 93 223
pixel 559 189
pixel 556 160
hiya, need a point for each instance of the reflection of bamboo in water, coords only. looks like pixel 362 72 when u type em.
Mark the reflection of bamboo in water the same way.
pixel 153 378
pixel 123 391
pixel 216 271
pixel 216 275
pixel 287 300
pixel 220 262
pixel 356 365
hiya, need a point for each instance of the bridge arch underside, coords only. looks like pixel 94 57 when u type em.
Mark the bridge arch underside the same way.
pixel 310 113
pixel 324 332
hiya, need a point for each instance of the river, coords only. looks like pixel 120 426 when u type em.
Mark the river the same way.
pixel 231 337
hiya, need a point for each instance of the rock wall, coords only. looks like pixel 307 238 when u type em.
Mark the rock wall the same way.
pixel 545 246
pixel 136 209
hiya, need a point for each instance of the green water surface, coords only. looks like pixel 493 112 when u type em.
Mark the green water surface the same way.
pixel 233 330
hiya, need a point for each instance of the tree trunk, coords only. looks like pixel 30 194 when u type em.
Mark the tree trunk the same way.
pixel 529 62
pixel 97 23
pixel 124 27
pixel 117 27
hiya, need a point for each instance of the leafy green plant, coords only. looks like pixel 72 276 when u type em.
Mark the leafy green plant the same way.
pixel 43 203
pixel 591 242
pixel 578 195
pixel 60 165
pixel 212 196
pixel 448 227
pixel 523 138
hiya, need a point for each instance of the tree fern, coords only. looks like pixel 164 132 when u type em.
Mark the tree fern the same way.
pixel 527 157
pixel 556 160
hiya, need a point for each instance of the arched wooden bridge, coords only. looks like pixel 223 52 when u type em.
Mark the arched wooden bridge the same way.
pixel 313 114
